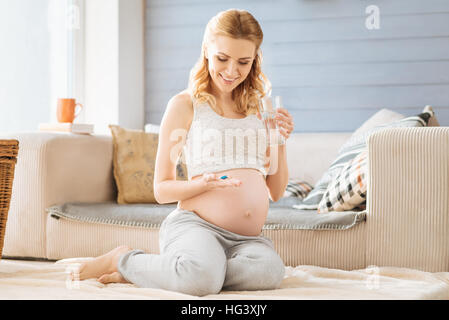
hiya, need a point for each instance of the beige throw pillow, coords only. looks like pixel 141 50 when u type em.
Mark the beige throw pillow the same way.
pixel 134 158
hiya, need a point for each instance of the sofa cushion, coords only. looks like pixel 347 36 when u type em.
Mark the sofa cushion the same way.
pixel 181 168
pixel 134 161
pixel 357 142
pixel 381 117
pixel 337 197
pixel 133 164
pixel 280 215
pixel 433 121
pixel 298 189
pixel 351 149
pixel 348 189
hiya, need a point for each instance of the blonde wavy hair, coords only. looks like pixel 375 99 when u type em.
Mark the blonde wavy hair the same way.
pixel 237 24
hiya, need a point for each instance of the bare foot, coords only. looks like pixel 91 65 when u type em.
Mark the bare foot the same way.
pixel 105 264
pixel 114 277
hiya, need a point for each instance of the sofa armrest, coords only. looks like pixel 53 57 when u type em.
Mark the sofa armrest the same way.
pixel 54 168
pixel 407 198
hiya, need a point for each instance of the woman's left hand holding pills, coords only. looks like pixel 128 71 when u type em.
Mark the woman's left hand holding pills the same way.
pixel 214 181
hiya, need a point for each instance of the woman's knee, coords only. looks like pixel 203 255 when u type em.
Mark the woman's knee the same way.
pixel 264 273
pixel 199 278
pixel 269 273
pixel 276 271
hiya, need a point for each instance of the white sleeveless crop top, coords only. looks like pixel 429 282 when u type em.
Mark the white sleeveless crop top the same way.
pixel 215 143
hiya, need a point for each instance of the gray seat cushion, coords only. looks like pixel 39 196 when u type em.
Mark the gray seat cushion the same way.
pixel 281 215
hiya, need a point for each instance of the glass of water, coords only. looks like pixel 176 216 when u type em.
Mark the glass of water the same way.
pixel 269 118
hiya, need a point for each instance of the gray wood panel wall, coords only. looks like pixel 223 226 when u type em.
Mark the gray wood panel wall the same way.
pixel 331 70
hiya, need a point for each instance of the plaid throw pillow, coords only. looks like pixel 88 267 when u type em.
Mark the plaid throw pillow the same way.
pixel 348 190
pixel 350 150
pixel 298 189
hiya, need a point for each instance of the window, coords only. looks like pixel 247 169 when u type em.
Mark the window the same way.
pixel 40 60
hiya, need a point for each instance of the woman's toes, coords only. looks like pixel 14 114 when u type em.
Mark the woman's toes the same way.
pixel 105 278
pixel 114 277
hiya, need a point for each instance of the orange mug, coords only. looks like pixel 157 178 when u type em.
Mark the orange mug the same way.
pixel 66 110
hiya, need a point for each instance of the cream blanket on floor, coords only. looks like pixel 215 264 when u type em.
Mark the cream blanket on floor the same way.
pixel 47 280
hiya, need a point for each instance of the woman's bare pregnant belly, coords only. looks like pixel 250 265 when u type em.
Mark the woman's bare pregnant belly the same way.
pixel 241 209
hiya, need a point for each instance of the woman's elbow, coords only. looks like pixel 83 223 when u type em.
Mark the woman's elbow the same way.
pixel 156 193
pixel 275 197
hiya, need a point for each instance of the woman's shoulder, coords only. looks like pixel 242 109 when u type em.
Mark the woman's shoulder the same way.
pixel 184 98
pixel 180 107
pixel 182 102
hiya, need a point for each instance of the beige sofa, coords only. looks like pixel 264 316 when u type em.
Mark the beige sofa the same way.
pixel 407 215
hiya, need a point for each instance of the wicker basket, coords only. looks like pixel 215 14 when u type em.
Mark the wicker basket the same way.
pixel 8 159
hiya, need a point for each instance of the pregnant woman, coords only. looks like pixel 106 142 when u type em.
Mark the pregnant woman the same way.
pixel 212 240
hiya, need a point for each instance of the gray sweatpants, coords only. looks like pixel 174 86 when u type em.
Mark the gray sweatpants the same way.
pixel 199 258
